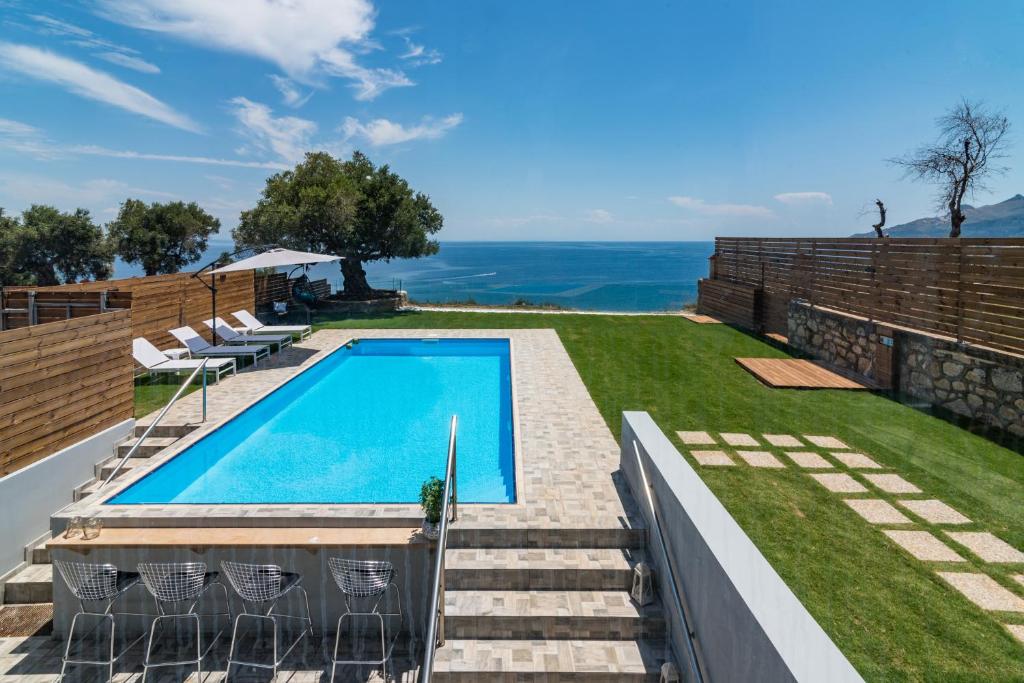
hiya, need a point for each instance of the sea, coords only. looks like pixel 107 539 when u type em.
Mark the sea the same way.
pixel 594 276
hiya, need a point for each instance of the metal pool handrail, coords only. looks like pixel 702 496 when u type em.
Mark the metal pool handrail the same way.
pixel 450 504
pixel 684 613
pixel 131 451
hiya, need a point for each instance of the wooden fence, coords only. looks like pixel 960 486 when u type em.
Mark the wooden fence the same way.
pixel 61 382
pixel 969 289
pixel 159 303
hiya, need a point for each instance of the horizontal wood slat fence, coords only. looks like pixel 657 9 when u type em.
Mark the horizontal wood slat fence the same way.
pixel 969 289
pixel 158 303
pixel 61 382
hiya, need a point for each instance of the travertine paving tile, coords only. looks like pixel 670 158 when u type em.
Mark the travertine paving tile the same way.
pixel 934 511
pixel 984 591
pixel 1016 630
pixel 809 460
pixel 922 545
pixel 839 483
pixel 826 442
pixel 877 511
pixel 987 546
pixel 761 459
pixel 712 458
pixel 857 461
pixel 892 483
pixel 738 439
pixel 782 440
pixel 1019 578
pixel 695 438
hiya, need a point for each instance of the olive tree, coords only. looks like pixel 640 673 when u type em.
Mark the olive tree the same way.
pixel 163 238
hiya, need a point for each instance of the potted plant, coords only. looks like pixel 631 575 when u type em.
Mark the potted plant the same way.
pixel 431 499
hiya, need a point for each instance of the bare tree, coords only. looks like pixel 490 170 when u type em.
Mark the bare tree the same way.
pixel 971 140
pixel 881 219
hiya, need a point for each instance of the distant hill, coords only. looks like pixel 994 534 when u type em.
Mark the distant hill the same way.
pixel 1005 219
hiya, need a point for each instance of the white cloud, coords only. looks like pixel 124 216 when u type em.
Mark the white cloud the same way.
pixel 600 216
pixel 381 132
pixel 89 83
pixel 94 150
pixel 82 37
pixel 419 55
pixel 306 39
pixel 289 92
pixel 287 137
pixel 804 198
pixel 129 62
pixel 706 209
pixel 34 189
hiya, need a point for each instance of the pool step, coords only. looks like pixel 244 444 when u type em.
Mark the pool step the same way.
pixel 34 583
pixel 532 569
pixel 540 615
pixel 107 468
pixel 165 430
pixel 525 537
pixel 151 446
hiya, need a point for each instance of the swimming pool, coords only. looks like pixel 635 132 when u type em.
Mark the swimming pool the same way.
pixel 368 424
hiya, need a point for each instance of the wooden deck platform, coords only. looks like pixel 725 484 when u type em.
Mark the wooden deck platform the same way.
pixel 702 319
pixel 792 373
pixel 244 537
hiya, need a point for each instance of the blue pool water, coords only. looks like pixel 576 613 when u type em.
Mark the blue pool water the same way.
pixel 365 425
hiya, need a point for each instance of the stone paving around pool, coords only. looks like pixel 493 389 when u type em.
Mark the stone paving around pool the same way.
pixel 859 479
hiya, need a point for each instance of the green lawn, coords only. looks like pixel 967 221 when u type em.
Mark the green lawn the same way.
pixel 893 617
pixel 153 394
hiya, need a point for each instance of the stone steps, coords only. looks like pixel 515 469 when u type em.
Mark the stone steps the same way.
pixel 561 537
pixel 542 615
pixel 108 467
pixel 151 446
pixel 165 430
pixel 38 553
pixel 34 583
pixel 526 569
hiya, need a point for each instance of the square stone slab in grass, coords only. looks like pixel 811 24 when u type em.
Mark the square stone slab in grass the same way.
pixel 737 439
pixel 695 438
pixel 984 591
pixel 934 511
pixel 1017 631
pixel 857 461
pixel 761 459
pixel 782 440
pixel 877 511
pixel 809 460
pixel 922 545
pixel 839 483
pixel 987 546
pixel 712 458
pixel 826 442
pixel 892 483
pixel 1019 578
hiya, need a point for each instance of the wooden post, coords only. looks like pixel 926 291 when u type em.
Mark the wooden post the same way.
pixel 31 313
pixel 959 291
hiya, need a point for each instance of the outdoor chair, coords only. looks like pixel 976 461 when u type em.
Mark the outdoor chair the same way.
pixel 232 336
pixel 252 325
pixel 151 358
pixel 369 581
pixel 178 588
pixel 200 347
pixel 261 586
pixel 99 585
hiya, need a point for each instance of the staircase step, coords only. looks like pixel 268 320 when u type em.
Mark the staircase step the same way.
pixel 151 446
pixel 594 569
pixel 165 430
pixel 34 583
pixel 540 615
pixel 547 661
pixel 38 553
pixel 86 490
pixel 109 465
pixel 562 537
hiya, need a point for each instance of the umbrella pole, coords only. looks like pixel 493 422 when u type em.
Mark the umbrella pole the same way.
pixel 213 306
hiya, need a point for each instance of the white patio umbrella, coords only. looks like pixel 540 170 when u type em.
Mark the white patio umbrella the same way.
pixel 271 258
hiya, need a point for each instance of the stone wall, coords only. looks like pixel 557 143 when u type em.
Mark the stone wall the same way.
pixel 984 385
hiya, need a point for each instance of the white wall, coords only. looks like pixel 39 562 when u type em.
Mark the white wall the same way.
pixel 29 496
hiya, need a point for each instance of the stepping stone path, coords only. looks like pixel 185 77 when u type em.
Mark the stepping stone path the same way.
pixel 809 460
pixel 934 511
pixel 984 591
pixel 761 459
pixel 839 483
pixel 827 442
pixel 1016 630
pixel 1019 578
pixel 782 440
pixel 736 439
pixel 877 511
pixel 922 545
pixel 857 461
pixel 712 458
pixel 988 547
pixel 892 483
pixel 696 438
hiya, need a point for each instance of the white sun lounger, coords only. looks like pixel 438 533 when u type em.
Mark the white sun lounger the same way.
pixel 151 358
pixel 254 326
pixel 200 347
pixel 232 336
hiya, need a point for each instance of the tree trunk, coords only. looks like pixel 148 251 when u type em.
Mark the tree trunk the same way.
pixel 355 276
pixel 956 219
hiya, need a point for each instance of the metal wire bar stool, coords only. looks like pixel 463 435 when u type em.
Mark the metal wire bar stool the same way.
pixel 177 588
pixel 96 583
pixel 261 586
pixel 368 580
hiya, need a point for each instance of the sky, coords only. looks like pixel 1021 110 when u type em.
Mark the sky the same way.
pixel 522 120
